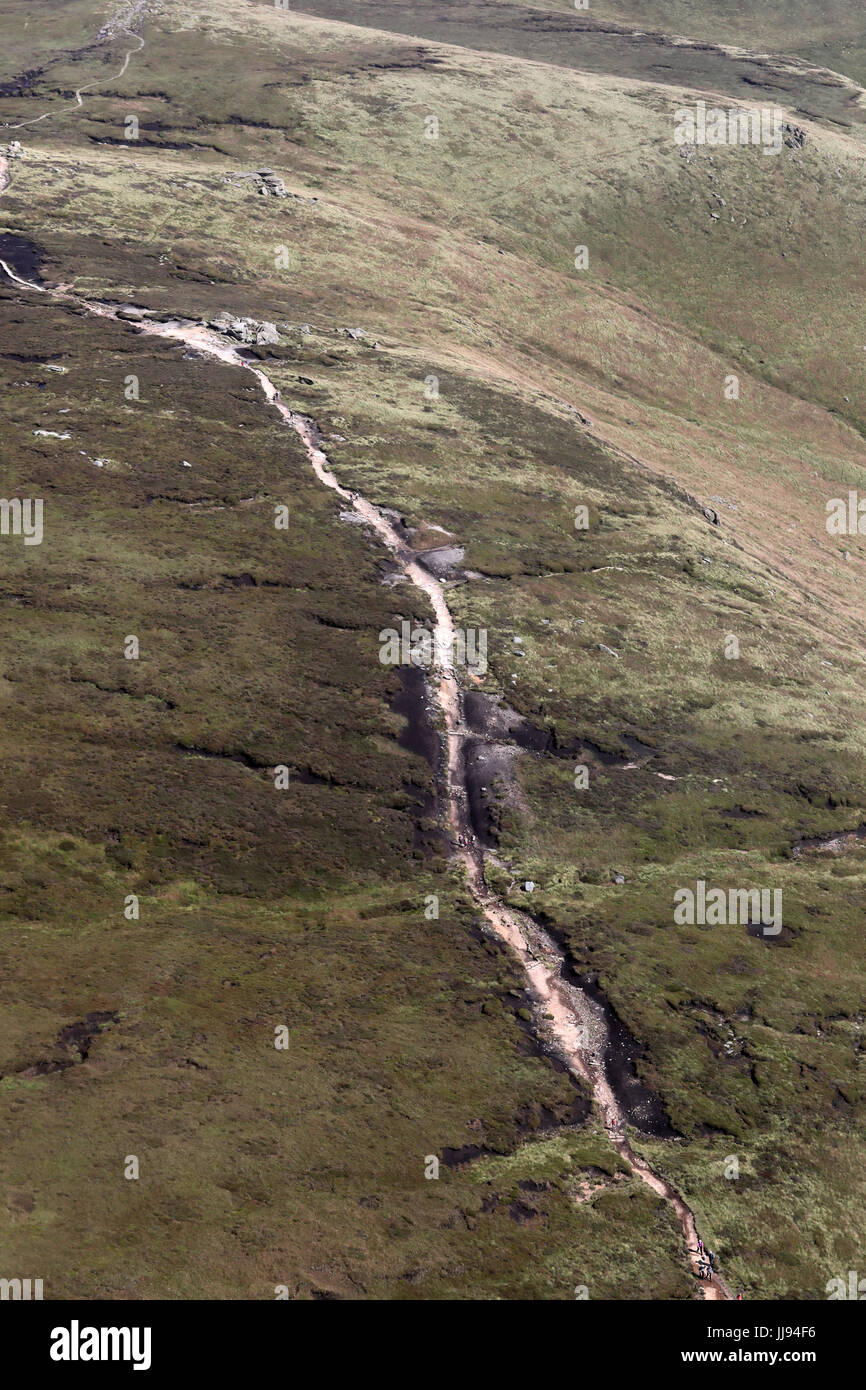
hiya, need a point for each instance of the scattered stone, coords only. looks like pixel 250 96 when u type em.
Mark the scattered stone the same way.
pixel 53 434
pixel 529 886
pixel 610 651
pixel 712 515
pixel 619 878
pixel 129 312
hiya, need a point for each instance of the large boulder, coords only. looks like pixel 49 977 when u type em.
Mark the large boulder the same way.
pixel 271 184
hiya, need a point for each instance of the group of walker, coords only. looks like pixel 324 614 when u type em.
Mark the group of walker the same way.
pixel 706 1261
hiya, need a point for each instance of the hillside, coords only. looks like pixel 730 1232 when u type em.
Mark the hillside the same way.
pixel 473 381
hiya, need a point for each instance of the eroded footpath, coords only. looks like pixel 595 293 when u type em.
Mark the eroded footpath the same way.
pixel 566 1018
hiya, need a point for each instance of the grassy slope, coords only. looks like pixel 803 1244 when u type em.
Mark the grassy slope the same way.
pixel 457 257
pixel 813 65
pixel 258 908
pixel 832 35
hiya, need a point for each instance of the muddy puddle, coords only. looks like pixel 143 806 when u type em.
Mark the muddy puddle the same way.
pixel 836 842
pixel 490 783
pixel 22 256
pixel 640 1106
pixel 495 735
pixel 488 717
pixel 419 736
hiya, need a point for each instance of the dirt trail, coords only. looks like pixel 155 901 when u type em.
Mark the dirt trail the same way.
pixel 118 24
pixel 566 1018
pixel 574 1025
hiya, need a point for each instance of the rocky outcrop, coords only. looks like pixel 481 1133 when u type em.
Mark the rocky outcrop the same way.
pixel 573 410
pixel 245 330
pixel 270 184
pixel 794 136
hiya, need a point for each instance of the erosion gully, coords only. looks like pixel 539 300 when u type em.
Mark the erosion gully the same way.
pixel 567 1020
